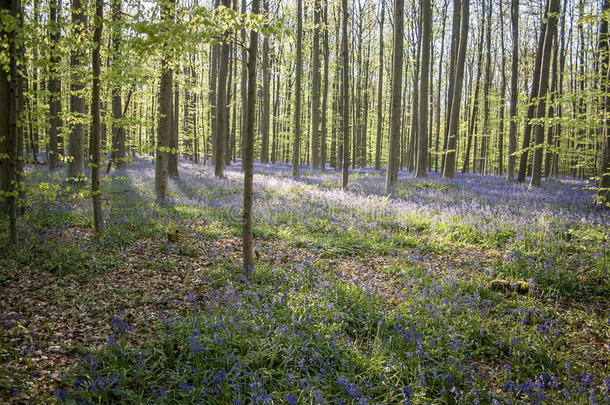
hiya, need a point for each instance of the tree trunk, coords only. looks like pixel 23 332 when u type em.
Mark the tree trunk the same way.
pixel 96 196
pixel 378 139
pixel 395 107
pixel 266 99
pixel 421 169
pixel 164 126
pixel 296 149
pixel 76 159
pixel 315 89
pixel 604 167
pixel 553 9
pixel 514 92
pixel 485 138
pixel 172 159
pixel 454 117
pixel 324 111
pixel 523 162
pixel 345 95
pixel 221 106
pixel 54 86
pixel 455 43
pixel 249 151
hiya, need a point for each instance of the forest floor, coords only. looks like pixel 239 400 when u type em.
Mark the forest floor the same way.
pixel 357 297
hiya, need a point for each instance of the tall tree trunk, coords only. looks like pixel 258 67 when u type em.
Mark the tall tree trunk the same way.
pixel 395 106
pixel 5 115
pixel 324 110
pixel 296 149
pixel 548 155
pixel 119 150
pixel 455 43
pixel 454 117
pixel 345 95
pixel 475 103
pixel 164 127
pixel 524 159
pixel 266 99
pixel 502 114
pixel 54 87
pixel 604 167
pixel 98 221
pixel 421 169
pixel 172 159
pixel 76 159
pixel 249 151
pixel 213 95
pixel 438 89
pixel 514 92
pixel 243 89
pixel 378 139
pixel 315 89
pixel 553 9
pixel 485 138
pixel 221 106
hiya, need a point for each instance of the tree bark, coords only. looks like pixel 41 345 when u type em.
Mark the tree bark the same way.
pixel 421 169
pixel 553 9
pixel 54 87
pixel 76 159
pixel 454 117
pixel 514 92
pixel 324 111
pixel 249 151
pixel 345 96
pixel 378 139
pixel 98 221
pixel 395 106
pixel 296 149
pixel 164 127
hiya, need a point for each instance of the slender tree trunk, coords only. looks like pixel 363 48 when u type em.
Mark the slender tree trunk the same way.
pixel 485 138
pixel 5 114
pixel 119 150
pixel 345 95
pixel 604 167
pixel 221 106
pixel 172 159
pixel 315 89
pixel 266 99
pixel 395 107
pixel 249 151
pixel 502 96
pixel 324 132
pixel 54 86
pixel 243 89
pixel 98 221
pixel 514 92
pixel 296 149
pixel 455 42
pixel 454 117
pixel 438 89
pixel 548 155
pixel 553 9
pixel 378 140
pixel 475 104
pixel 421 169
pixel 524 159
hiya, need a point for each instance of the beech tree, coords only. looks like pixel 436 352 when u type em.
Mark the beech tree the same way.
pixel 165 114
pixel 98 221
pixel 248 255
pixel 395 106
